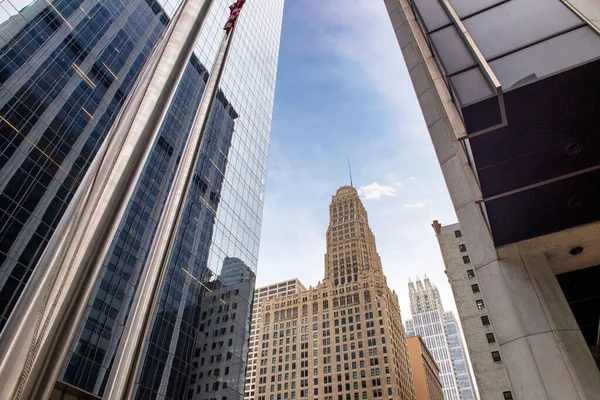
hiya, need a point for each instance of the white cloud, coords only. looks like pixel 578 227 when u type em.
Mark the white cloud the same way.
pixel 345 41
pixel 360 32
pixel 418 204
pixel 376 191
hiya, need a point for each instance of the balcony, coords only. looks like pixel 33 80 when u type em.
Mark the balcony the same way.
pixel 523 75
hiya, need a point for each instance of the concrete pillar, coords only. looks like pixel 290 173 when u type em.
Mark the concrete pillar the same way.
pixel 540 342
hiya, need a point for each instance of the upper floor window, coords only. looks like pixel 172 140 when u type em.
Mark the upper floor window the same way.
pixel 496 356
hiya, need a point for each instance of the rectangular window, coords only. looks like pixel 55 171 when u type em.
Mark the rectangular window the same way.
pixel 485 320
pixel 496 356
pixel 462 248
pixel 470 273
pixel 466 260
pixel 490 338
pixel 507 395
pixel 475 288
pixel 480 304
pixel 458 233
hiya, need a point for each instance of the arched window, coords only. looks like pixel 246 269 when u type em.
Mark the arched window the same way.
pixel 325 305
pixel 367 296
pixel 267 318
pixel 315 308
pixel 349 299
pixel 304 310
pixel 356 298
pixel 276 316
pixel 335 303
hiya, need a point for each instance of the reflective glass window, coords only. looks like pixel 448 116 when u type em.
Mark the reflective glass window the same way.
pixel 518 23
pixel 470 86
pixel 543 59
pixel 451 50
pixel 432 13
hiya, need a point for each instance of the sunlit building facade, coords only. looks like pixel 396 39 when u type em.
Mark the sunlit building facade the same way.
pixel 278 289
pixel 66 68
pixel 439 331
pixel 342 339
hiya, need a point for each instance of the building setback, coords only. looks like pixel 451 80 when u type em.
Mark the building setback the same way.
pixel 439 332
pixel 425 372
pixel 66 69
pixel 509 94
pixel 278 289
pixel 342 339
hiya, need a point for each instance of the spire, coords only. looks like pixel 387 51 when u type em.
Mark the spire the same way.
pixel 350 171
pixel 351 247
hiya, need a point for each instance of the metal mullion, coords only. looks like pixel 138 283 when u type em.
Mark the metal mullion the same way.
pixel 465 69
pixel 472 46
pixel 517 49
pixel 440 28
pixel 581 16
pixel 445 76
pixel 418 17
pixel 485 9
pixel 484 66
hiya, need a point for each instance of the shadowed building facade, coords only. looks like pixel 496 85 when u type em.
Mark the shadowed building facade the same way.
pixel 342 339
pixel 509 94
pixel 66 69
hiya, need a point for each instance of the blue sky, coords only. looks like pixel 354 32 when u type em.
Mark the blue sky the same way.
pixel 343 91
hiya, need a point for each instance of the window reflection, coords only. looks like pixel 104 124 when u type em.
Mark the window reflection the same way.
pixel 53 119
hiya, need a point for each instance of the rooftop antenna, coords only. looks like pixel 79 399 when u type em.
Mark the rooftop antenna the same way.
pixel 350 170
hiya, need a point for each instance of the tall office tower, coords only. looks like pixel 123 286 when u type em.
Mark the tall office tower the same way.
pixel 66 68
pixel 509 94
pixel 342 339
pixel 489 370
pixel 425 371
pixel 440 333
pixel 279 289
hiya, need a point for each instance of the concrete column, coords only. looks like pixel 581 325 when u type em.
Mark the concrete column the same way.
pixel 540 342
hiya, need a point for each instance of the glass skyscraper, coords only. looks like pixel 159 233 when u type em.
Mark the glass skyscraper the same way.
pixel 66 68
pixel 441 335
pixel 462 372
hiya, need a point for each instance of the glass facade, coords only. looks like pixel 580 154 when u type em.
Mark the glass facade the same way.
pixel 430 326
pixel 64 75
pixel 66 68
pixel 462 372
pixel 439 330
pixel 523 41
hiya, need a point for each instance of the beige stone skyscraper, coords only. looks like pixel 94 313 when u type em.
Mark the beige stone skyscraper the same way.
pixel 343 339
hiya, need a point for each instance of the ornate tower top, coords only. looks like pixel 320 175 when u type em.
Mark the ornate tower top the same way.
pixel 424 296
pixel 351 246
